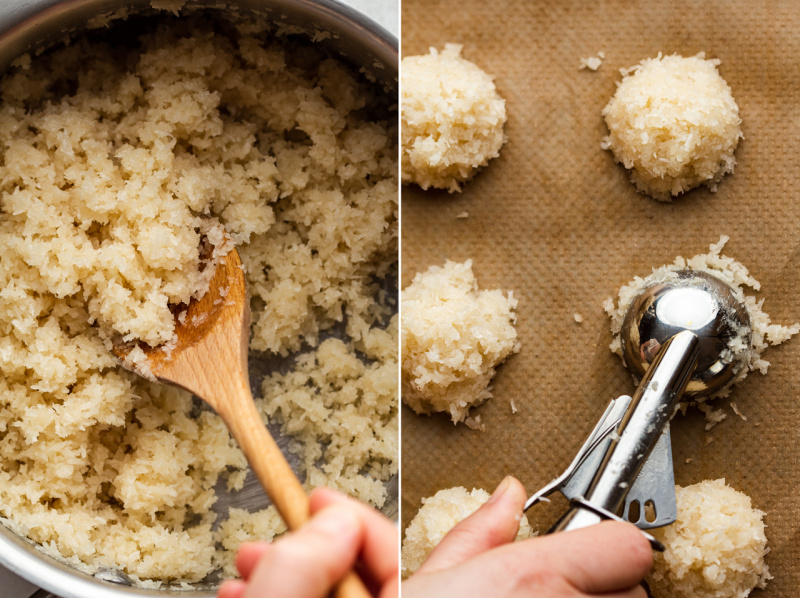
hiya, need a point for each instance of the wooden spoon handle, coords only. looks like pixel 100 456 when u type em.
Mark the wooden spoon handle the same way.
pixel 277 477
pixel 268 463
pixel 351 586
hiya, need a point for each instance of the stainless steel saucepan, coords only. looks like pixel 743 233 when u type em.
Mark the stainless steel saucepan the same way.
pixel 27 25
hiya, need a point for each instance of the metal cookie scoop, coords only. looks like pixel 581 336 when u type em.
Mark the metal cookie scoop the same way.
pixel 697 302
pixel 679 337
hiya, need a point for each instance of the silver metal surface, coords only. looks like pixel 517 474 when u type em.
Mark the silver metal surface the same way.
pixel 576 478
pixel 27 25
pixel 655 483
pixel 693 301
pixel 676 335
pixel 651 409
pixel 654 488
pixel 585 505
pixel 31 24
pixel 640 428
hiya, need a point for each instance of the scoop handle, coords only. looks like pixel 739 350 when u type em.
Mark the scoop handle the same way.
pixel 649 412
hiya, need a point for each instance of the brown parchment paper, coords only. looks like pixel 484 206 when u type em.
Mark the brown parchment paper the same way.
pixel 557 221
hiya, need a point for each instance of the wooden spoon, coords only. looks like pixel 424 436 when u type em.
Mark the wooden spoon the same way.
pixel 210 361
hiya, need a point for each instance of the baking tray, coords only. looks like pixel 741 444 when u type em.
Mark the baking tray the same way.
pixel 557 221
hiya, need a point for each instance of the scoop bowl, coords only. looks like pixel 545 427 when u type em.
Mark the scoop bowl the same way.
pixel 699 302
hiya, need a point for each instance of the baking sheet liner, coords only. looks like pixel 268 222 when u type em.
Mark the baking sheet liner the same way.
pixel 557 221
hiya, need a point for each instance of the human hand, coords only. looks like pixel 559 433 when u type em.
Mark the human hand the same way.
pixel 308 562
pixel 479 558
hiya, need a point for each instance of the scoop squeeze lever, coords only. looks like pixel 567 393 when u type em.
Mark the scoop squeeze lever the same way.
pixel 676 336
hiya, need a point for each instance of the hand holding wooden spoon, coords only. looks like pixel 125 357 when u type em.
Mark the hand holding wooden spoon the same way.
pixel 210 361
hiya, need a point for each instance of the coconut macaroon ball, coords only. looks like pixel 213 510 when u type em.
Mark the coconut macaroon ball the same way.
pixel 453 336
pixel 451 119
pixel 437 516
pixel 674 123
pixel 716 547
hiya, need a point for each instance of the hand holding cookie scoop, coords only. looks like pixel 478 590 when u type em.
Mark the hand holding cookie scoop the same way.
pixel 679 336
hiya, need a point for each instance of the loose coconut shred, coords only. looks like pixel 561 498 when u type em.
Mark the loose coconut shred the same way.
pixel 737 277
pixel 114 161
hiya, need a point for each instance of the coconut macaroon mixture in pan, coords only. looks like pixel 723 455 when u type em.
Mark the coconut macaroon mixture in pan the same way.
pixel 116 161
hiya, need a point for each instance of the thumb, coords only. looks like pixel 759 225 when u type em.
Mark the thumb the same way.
pixel 494 524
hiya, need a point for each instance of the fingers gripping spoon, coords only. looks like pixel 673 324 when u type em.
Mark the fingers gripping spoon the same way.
pixel 677 338
pixel 210 361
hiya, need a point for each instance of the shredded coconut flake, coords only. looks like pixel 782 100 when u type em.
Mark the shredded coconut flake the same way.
pixel 136 361
pixel 173 6
pixel 116 162
pixel 592 63
pixel 713 416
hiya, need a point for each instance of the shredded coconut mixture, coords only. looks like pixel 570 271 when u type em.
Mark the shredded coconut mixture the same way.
pixel 342 413
pixel 116 161
pixel 453 337
pixel 674 123
pixel 437 516
pixel 452 119
pixel 764 333
pixel 715 549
